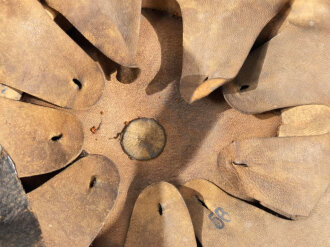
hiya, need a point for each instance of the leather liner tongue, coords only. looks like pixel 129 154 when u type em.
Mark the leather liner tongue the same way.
pixel 38 58
pixel 305 120
pixel 292 68
pixel 39 139
pixel 72 206
pixel 217 37
pixel 280 171
pixel 111 26
pixel 18 225
pixel 222 220
pixel 160 217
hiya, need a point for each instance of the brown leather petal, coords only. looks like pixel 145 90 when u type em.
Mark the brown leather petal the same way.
pixel 217 37
pixel 38 58
pixel 279 171
pixel 305 120
pixel 111 26
pixel 72 206
pixel 160 217
pixel 39 139
pixel 222 220
pixel 292 68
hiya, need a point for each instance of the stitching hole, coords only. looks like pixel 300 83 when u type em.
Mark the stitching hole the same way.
pixel 160 209
pixel 244 88
pixel 92 182
pixel 77 82
pixel 57 138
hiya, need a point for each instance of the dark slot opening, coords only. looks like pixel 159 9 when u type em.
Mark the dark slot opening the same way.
pixel 244 87
pixel 92 182
pixel 239 164
pixel 57 138
pixel 199 244
pixel 201 202
pixel 160 209
pixel 77 82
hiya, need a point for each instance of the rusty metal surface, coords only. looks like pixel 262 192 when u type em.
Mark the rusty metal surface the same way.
pixel 18 225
